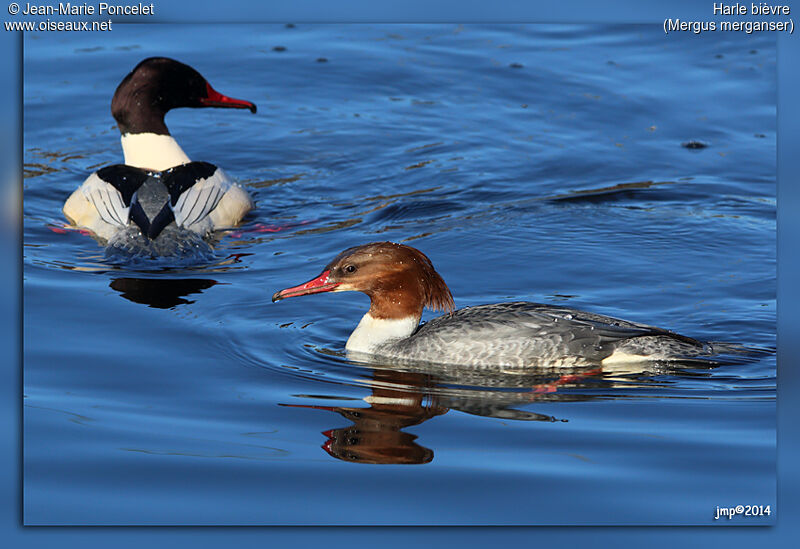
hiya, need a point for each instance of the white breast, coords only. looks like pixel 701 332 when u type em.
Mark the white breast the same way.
pixel 152 151
pixel 374 332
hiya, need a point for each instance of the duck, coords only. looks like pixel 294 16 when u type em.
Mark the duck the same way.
pixel 401 282
pixel 158 202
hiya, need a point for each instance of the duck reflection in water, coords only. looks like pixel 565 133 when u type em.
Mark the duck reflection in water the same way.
pixel 401 399
pixel 160 293
pixel 376 434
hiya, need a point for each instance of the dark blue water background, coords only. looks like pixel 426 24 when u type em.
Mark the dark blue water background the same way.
pixel 540 163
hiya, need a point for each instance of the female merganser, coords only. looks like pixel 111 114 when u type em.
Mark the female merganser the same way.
pixel 130 205
pixel 401 281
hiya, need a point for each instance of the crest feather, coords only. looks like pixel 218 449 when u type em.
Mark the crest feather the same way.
pixel 437 296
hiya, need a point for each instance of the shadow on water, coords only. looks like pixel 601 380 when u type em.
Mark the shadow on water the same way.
pixel 160 293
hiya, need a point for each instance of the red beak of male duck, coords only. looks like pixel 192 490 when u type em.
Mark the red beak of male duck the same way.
pixel 216 99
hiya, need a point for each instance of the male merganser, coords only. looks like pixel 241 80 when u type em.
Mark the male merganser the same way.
pixel 130 205
pixel 401 281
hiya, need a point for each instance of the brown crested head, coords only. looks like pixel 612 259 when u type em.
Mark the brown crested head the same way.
pixel 400 280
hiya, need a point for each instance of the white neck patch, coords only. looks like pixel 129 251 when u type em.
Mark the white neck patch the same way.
pixel 371 332
pixel 152 151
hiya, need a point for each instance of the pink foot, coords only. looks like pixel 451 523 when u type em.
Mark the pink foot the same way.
pixel 64 229
pixel 266 228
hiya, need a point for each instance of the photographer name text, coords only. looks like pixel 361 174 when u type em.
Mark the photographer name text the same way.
pixel 103 8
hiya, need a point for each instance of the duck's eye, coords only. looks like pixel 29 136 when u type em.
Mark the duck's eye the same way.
pixel 350 268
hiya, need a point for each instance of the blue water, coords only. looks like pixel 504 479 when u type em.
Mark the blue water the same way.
pixel 541 163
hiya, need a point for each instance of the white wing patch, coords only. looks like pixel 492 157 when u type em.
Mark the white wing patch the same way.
pixel 208 203
pixel 107 200
pixel 193 206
